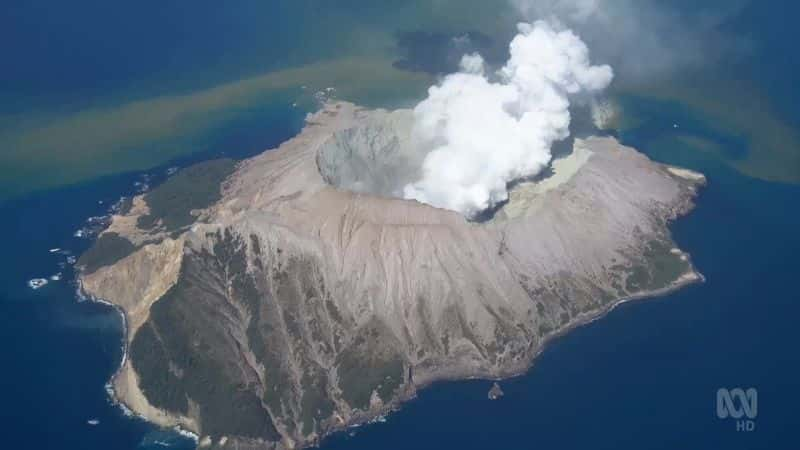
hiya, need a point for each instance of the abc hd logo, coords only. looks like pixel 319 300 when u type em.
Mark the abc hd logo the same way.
pixel 737 404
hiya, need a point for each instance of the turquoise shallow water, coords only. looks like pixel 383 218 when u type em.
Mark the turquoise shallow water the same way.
pixel 645 376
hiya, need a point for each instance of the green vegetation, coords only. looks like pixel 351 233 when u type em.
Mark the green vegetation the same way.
pixel 666 266
pixel 659 268
pixel 161 385
pixel 106 250
pixel 194 187
pixel 363 369
pixel 185 351
pixel 315 403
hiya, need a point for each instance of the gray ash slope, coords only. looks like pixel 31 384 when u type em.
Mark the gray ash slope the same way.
pixel 288 308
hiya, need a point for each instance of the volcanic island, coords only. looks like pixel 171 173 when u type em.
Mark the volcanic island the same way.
pixel 272 301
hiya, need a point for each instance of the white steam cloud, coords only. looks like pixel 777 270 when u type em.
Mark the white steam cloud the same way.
pixel 648 39
pixel 482 132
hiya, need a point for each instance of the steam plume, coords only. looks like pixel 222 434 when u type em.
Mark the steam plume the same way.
pixel 647 40
pixel 482 132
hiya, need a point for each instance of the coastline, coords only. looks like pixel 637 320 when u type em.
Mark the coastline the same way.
pixel 166 420
pixel 124 383
pixel 162 418
pixel 410 393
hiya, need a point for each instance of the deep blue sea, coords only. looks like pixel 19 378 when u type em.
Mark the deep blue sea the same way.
pixel 643 377
pixel 59 352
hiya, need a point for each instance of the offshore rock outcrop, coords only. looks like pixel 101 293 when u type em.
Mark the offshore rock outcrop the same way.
pixel 301 298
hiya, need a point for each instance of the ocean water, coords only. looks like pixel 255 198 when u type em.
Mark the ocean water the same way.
pixel 645 376
pixel 58 351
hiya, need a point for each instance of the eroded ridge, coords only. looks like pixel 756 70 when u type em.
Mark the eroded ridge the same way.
pixel 292 305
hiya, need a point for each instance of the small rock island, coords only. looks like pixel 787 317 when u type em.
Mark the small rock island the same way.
pixel 272 301
pixel 495 392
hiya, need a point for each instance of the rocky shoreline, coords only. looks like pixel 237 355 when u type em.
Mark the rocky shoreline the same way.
pixel 310 309
pixel 368 417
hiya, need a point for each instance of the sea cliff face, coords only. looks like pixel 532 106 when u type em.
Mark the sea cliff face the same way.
pixel 289 296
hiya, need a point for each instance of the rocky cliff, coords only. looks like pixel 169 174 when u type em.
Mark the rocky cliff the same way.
pixel 295 296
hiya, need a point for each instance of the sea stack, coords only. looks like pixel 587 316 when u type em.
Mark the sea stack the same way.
pixel 495 392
